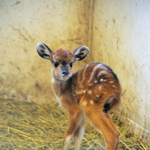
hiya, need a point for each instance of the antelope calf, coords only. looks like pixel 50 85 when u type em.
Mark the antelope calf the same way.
pixel 91 92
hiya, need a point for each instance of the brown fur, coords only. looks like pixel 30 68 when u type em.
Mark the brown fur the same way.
pixel 92 92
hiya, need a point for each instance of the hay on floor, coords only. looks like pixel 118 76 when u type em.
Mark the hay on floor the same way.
pixel 30 126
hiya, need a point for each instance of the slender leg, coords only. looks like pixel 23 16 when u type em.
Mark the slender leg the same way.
pixel 117 132
pixel 104 124
pixel 79 134
pixel 74 121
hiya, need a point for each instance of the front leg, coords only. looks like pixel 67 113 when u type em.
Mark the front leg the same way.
pixel 74 122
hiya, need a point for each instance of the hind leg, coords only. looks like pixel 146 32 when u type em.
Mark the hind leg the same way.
pixel 116 131
pixel 79 134
pixel 103 124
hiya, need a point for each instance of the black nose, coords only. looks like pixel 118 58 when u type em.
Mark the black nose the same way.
pixel 65 72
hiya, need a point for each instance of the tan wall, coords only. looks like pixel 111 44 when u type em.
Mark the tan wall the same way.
pixel 59 24
pixel 116 31
pixel 121 34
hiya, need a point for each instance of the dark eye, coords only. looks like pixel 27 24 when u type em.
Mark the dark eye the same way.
pixel 56 64
pixel 70 64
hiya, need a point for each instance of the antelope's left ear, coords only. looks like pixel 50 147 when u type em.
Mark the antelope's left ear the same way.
pixel 80 53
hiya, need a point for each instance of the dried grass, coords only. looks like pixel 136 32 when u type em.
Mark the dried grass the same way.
pixel 30 126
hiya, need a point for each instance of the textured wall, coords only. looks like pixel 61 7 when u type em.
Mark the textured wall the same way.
pixel 120 38
pixel 59 24
pixel 116 31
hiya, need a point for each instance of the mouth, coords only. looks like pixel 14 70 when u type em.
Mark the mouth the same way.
pixel 64 77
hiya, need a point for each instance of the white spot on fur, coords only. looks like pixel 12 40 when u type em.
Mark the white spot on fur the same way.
pixel 101 80
pixel 84 91
pixel 100 87
pixel 84 103
pixel 95 81
pixel 111 81
pixel 91 102
pixel 78 92
pixel 89 92
pixel 114 86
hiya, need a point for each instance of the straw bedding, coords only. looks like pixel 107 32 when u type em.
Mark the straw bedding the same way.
pixel 30 126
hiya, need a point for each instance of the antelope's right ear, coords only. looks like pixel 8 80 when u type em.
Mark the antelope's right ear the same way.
pixel 44 51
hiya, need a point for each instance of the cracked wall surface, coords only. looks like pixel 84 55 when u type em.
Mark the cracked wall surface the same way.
pixel 120 39
pixel 117 33
pixel 59 24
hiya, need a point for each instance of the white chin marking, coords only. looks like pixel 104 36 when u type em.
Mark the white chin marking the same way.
pixel 64 78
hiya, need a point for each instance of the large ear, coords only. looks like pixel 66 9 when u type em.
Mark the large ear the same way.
pixel 80 53
pixel 44 51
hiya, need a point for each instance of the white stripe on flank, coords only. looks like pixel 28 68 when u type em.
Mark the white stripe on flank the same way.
pixel 93 72
pixel 102 72
pixel 83 77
